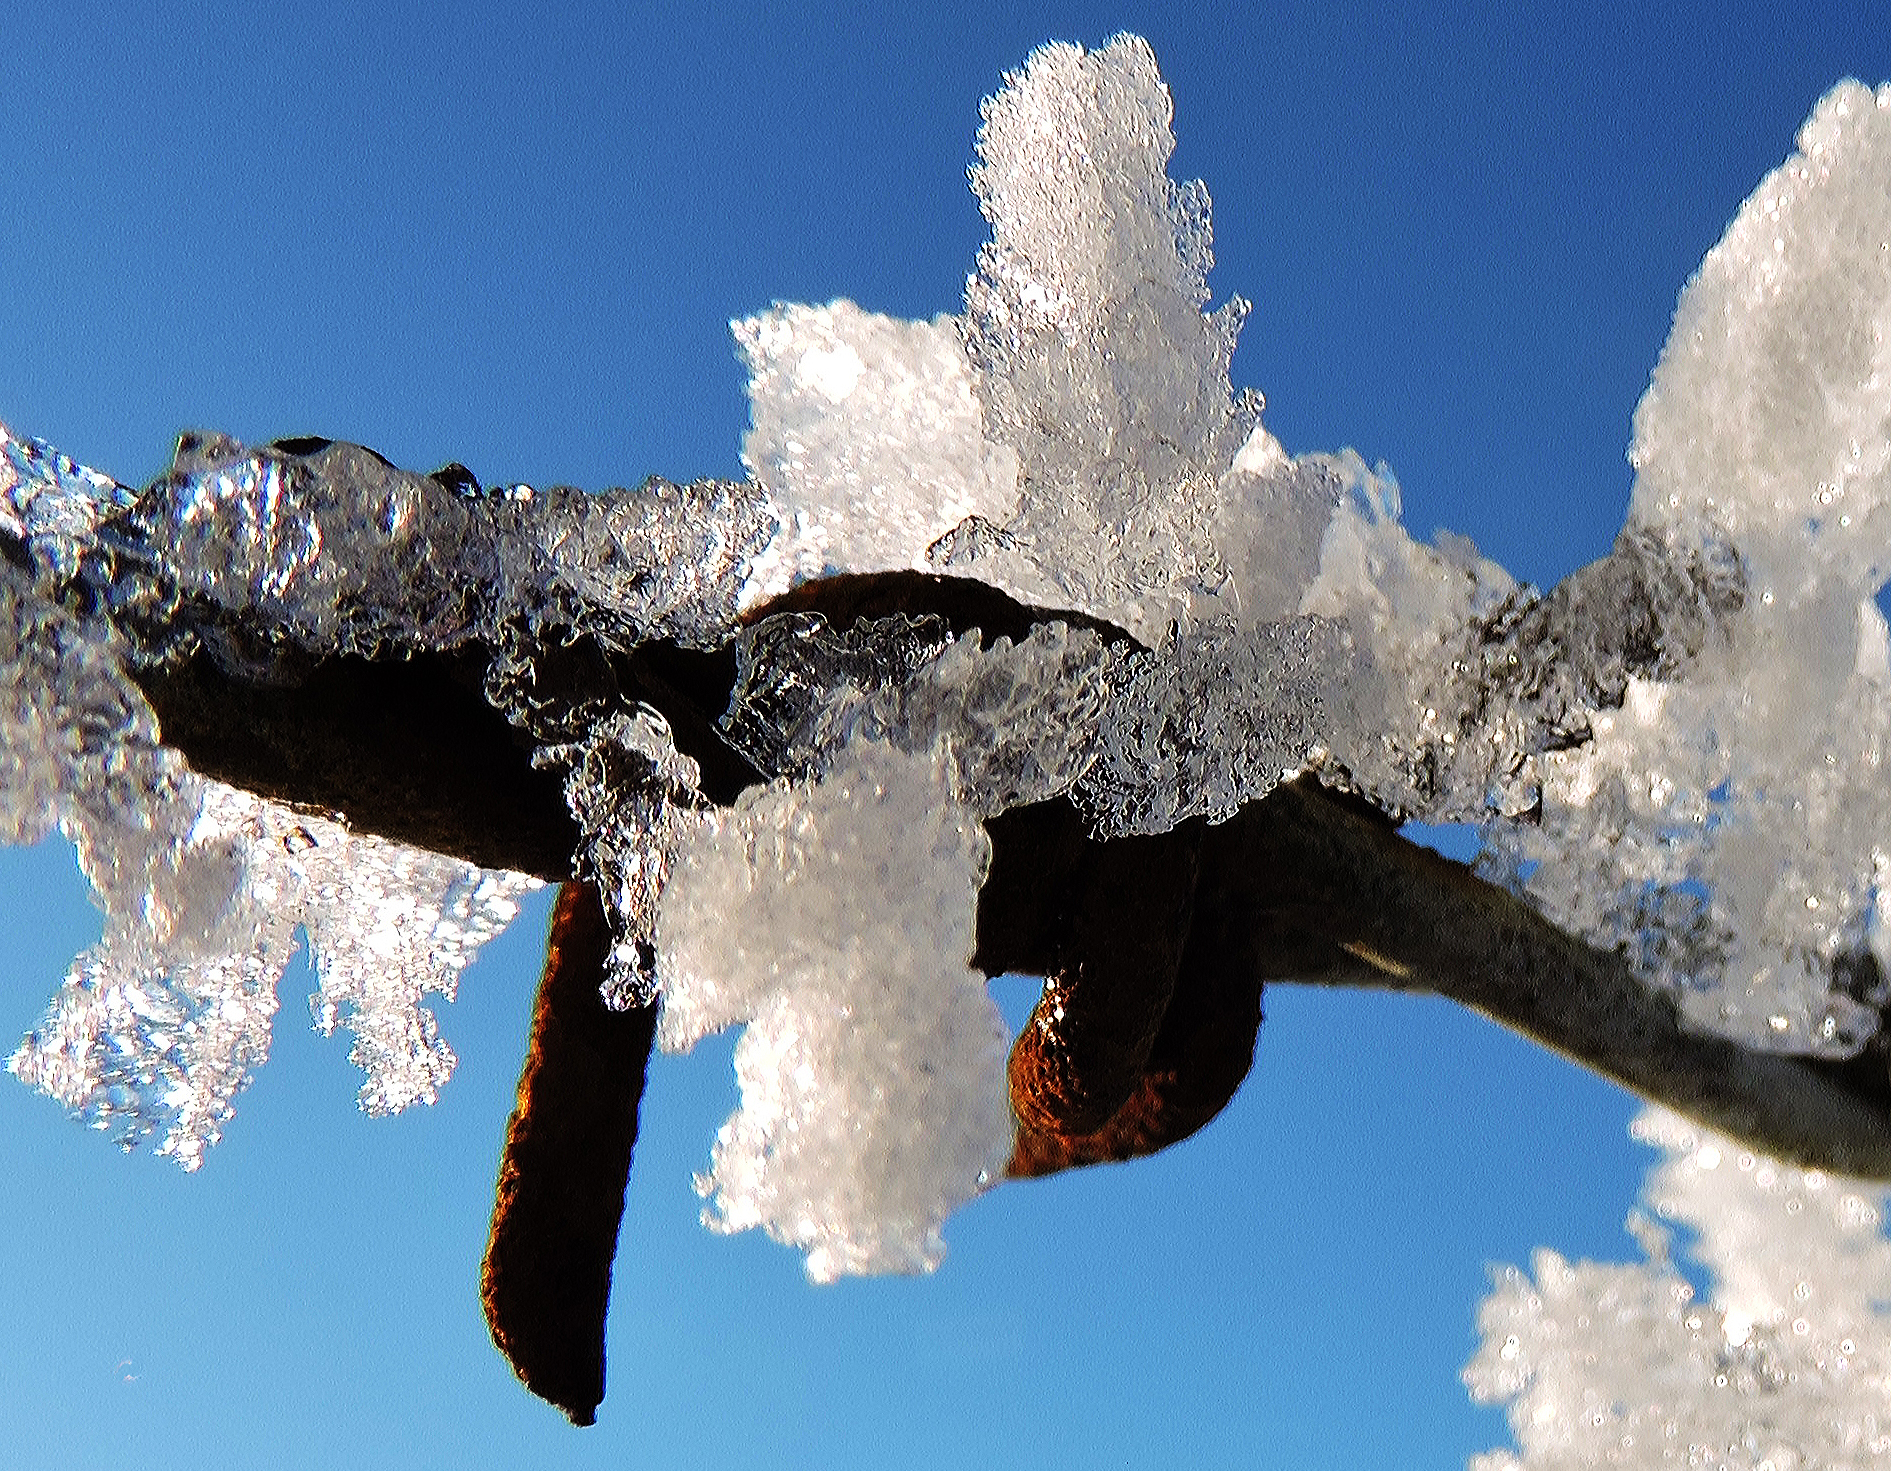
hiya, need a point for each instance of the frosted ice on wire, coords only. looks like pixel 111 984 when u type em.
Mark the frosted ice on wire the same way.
pixel 1785 1364
pixel 1063 439
pixel 635 799
pixel 1697 719
pixel 1733 823
pixel 835 918
pixel 160 1025
pixel 1293 619
pixel 329 545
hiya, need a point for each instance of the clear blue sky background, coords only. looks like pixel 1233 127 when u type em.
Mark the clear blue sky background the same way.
pixel 513 236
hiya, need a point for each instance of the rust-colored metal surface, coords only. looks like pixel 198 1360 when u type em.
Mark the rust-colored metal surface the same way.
pixel 546 1282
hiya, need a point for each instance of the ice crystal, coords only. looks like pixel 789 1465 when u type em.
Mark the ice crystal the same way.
pixel 1018 722
pixel 1785 1364
pixel 161 1024
pixel 1095 361
pixel 1749 778
pixel 1679 749
pixel 867 428
pixel 835 918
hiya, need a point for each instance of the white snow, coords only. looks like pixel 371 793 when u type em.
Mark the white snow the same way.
pixel 1746 798
pixel 835 919
pixel 1784 1365
pixel 867 433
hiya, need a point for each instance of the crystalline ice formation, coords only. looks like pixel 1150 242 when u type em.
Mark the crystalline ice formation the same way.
pixel 75 734
pixel 52 504
pixel 160 1025
pixel 868 429
pixel 1695 721
pixel 1289 618
pixel 1096 363
pixel 835 918
pixel 1694 725
pixel 1745 795
pixel 1018 722
pixel 329 545
pixel 1066 438
pixel 1786 1364
pixel 635 798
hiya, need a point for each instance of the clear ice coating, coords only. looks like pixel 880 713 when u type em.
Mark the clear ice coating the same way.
pixel 1784 1363
pixel 330 546
pixel 160 1024
pixel 1677 751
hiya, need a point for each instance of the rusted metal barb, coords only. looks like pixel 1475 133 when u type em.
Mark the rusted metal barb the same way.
pixel 546 1280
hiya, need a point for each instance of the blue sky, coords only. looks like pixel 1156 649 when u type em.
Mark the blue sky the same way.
pixel 514 237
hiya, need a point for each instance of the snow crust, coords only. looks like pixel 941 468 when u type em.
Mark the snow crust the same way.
pixel 1784 1364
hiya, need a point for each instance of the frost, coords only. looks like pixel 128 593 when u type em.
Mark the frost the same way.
pixel 634 795
pixel 1184 736
pixel 385 924
pixel 1678 751
pixel 332 547
pixel 161 1024
pixel 1786 1364
pixel 835 918
pixel 867 430
pixel 1066 438
pixel 1731 820
pixel 1096 362
pixel 1018 722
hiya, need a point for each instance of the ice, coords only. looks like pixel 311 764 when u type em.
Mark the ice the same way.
pixel 835 918
pixel 1019 722
pixel 1185 736
pixel 635 798
pixel 1678 751
pixel 328 545
pixel 867 431
pixel 1066 438
pixel 1786 1363
pixel 161 1024
pixel 386 924
pixel 1767 419
pixel 801 686
pixel 52 504
pixel 1270 529
pixel 75 734
pixel 1095 361
pixel 1730 822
